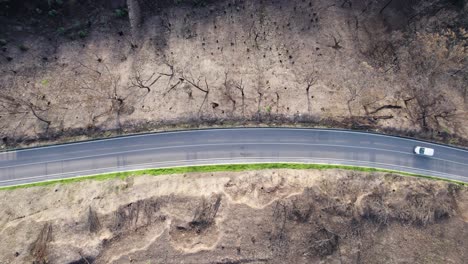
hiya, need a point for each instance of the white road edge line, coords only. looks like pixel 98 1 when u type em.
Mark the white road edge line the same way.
pixel 211 145
pixel 232 129
pixel 278 160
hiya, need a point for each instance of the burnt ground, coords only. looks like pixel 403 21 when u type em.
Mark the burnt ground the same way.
pixel 271 216
pixel 82 68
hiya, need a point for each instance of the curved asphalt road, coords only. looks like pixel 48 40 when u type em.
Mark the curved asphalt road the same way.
pixel 216 146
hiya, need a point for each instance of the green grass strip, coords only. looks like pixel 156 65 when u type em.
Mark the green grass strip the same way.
pixel 218 168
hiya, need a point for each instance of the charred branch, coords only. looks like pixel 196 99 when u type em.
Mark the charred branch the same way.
pixel 385 6
pixel 31 107
pixel 337 45
pixel 310 81
pixel 142 83
pixel 385 107
pixel 196 84
pixel 174 86
pixel 205 215
pixel 39 249
pixel 228 92
pixel 240 87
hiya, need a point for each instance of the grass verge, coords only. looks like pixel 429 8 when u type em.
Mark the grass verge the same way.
pixel 217 168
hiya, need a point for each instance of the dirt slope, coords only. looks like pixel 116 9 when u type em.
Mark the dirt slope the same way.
pixel 81 69
pixel 272 216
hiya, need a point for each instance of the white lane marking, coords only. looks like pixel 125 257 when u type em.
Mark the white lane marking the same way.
pixel 234 129
pixel 224 144
pixel 277 160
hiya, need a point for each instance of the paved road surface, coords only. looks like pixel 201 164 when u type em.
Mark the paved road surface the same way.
pixel 217 146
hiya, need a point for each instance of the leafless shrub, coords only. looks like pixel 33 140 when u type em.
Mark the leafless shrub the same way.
pixel 198 86
pixel 93 221
pixel 422 208
pixel 144 83
pixel 428 107
pixel 136 215
pixel 229 87
pixel 239 86
pixel 301 209
pixel 39 247
pixel 374 209
pixel 279 239
pixel 309 80
pixel 382 54
pixel 205 215
pixel 20 99
pixel 324 242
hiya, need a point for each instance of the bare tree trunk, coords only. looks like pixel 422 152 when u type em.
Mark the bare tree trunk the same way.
pixel 134 15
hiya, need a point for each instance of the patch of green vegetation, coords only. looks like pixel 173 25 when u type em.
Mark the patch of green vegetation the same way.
pixel 453 141
pixel 45 82
pixel 53 13
pixel 82 34
pixel 61 30
pixel 121 12
pixel 218 168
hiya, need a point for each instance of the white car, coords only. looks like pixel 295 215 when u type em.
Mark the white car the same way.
pixel 424 151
